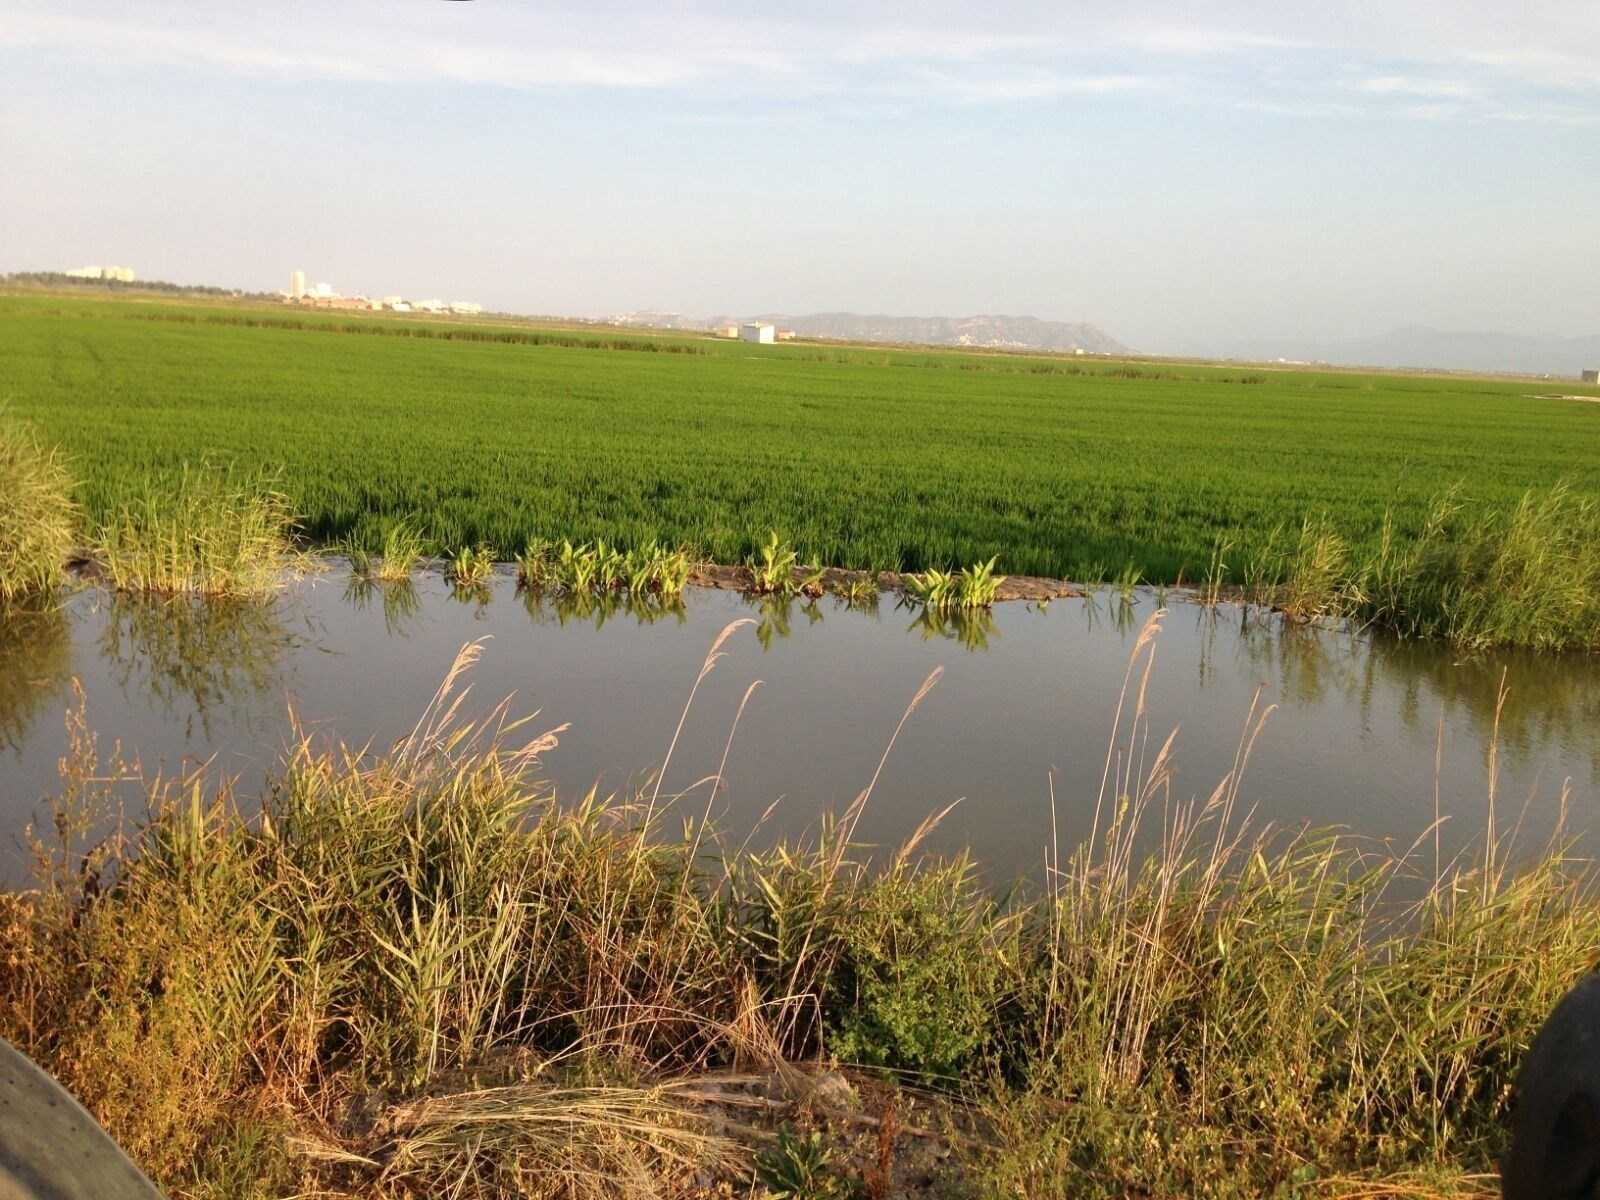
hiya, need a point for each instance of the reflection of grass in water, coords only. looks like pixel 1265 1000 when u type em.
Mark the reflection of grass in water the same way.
pixel 599 607
pixel 972 627
pixel 477 594
pixel 35 658
pixel 203 651
pixel 401 604
pixel 1549 699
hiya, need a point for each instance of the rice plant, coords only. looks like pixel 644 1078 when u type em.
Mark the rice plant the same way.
pixel 38 516
pixel 1182 471
pixel 402 551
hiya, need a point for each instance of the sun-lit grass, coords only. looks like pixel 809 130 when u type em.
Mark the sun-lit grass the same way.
pixel 1474 575
pixel 396 558
pixel 646 570
pixel 867 458
pixel 207 532
pixel 775 570
pixel 520 995
pixel 970 587
pixel 38 517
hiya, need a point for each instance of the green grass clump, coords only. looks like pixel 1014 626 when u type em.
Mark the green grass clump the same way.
pixel 38 516
pixel 971 587
pixel 397 558
pixel 470 567
pixel 207 532
pixel 776 571
pixel 646 570
pixel 1474 575
pixel 520 995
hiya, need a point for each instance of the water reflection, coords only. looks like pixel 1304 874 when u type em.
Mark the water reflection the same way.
pixel 202 654
pixel 598 608
pixel 35 660
pixel 972 628
pixel 1026 696
pixel 1548 700
pixel 399 598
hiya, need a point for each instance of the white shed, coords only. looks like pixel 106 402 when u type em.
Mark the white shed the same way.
pixel 756 332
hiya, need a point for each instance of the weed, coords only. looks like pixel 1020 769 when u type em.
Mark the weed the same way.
pixel 470 567
pixel 802 1168
pixel 971 587
pixel 858 591
pixel 777 571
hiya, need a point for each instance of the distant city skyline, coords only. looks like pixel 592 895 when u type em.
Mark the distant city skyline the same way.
pixel 1187 185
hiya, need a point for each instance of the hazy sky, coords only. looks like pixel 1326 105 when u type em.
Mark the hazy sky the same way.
pixel 1188 183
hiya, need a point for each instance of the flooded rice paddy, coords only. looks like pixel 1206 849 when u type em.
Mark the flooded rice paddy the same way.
pixel 1367 733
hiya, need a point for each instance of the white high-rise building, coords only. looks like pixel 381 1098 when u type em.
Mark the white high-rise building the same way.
pixel 297 284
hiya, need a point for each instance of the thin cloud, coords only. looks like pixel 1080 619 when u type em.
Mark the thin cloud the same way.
pixel 1338 61
pixel 1408 85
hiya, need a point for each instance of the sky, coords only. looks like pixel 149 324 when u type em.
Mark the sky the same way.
pixel 1191 184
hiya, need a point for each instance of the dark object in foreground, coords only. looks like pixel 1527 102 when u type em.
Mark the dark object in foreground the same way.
pixel 1555 1138
pixel 51 1148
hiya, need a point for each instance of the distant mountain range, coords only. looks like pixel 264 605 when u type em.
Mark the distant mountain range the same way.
pixel 998 332
pixel 1420 346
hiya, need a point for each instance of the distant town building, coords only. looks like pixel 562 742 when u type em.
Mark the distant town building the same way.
pixel 323 291
pixel 465 308
pixel 728 331
pixel 786 335
pixel 1592 376
pixel 431 306
pixel 297 284
pixel 756 332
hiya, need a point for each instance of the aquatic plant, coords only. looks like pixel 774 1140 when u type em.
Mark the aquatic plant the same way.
pixel 971 587
pixel 857 591
pixel 399 555
pixel 776 571
pixel 38 516
pixel 647 569
pixel 1127 579
pixel 470 567
pixel 209 531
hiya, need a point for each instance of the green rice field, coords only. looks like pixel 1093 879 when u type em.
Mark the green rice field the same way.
pixel 866 457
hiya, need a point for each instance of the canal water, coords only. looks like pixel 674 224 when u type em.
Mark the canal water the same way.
pixel 1364 732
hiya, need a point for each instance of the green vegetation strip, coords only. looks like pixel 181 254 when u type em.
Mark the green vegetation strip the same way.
pixel 504 436
pixel 416 974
